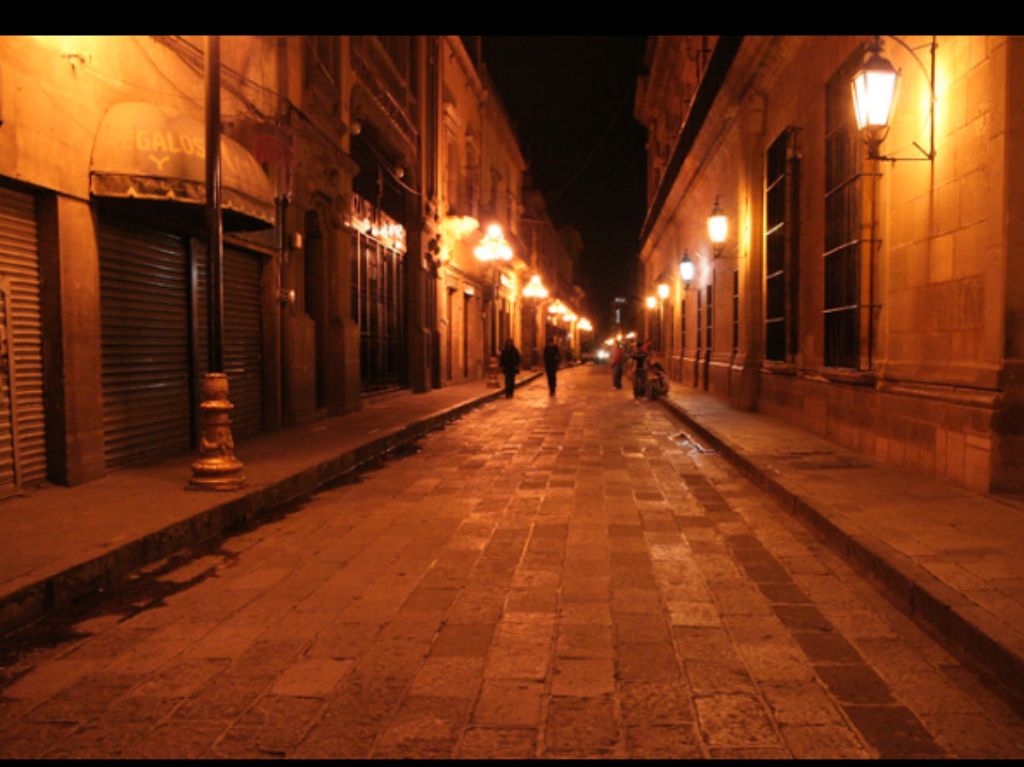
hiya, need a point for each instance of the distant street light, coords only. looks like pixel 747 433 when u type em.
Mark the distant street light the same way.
pixel 718 228
pixel 686 270
pixel 535 288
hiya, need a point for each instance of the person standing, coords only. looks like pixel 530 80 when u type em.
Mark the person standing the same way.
pixel 617 361
pixel 552 359
pixel 640 368
pixel 509 364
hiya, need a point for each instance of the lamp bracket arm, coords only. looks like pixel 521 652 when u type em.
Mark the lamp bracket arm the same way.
pixel 930 76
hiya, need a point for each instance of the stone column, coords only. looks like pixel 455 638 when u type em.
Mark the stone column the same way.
pixel 72 353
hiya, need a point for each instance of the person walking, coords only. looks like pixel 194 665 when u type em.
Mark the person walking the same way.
pixel 617 363
pixel 552 358
pixel 509 364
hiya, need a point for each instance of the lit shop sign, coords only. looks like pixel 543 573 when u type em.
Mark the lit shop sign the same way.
pixel 376 224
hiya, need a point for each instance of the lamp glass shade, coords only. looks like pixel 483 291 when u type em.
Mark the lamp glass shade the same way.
pixel 493 246
pixel 663 291
pixel 652 302
pixel 874 90
pixel 535 288
pixel 718 226
pixel 686 270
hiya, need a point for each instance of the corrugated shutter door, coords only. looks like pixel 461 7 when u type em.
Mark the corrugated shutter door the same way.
pixel 144 308
pixel 243 336
pixel 19 261
pixel 7 478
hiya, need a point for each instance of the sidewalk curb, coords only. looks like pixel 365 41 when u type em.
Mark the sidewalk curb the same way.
pixel 969 631
pixel 106 571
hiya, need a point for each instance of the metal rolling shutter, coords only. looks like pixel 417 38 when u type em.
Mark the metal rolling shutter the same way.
pixel 243 336
pixel 23 458
pixel 144 309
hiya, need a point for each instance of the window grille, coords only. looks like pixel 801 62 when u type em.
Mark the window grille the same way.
pixel 735 311
pixel 781 201
pixel 843 237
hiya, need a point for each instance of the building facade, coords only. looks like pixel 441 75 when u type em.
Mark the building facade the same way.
pixel 351 170
pixel 872 300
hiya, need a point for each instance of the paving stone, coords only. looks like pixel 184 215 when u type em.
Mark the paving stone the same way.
pixel 734 720
pixel 224 697
pixel 584 642
pixel 696 614
pixel 44 681
pixel 894 732
pixel 636 600
pixel 827 647
pixel 178 739
pixel 823 742
pixel 972 736
pixel 580 727
pixel 423 726
pixel 632 628
pixel 311 677
pixel 707 677
pixel 449 677
pixel 655 703
pixel 497 743
pixel 673 741
pixel 583 677
pixel 99 741
pixel 801 617
pixel 646 662
pixel 855 683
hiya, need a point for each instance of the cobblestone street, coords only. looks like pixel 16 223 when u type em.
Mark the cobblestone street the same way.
pixel 560 576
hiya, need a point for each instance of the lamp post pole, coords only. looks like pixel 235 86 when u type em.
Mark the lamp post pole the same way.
pixel 217 467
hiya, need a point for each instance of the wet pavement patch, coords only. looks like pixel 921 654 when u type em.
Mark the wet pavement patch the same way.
pixel 688 442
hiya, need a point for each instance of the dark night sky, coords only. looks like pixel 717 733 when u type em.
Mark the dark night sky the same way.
pixel 571 101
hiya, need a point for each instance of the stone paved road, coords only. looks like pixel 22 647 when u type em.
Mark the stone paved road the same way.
pixel 546 577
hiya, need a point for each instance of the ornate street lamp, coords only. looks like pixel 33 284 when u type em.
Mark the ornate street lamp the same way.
pixel 663 291
pixel 535 288
pixel 686 270
pixel 874 87
pixel 718 228
pixel 493 246
pixel 217 467
pixel 492 249
pixel 874 91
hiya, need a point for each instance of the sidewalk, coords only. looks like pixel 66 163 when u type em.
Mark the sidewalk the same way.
pixel 951 558
pixel 61 544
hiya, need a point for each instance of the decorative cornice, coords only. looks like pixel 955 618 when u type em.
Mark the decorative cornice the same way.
pixel 718 67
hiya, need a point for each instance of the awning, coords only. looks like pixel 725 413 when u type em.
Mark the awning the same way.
pixel 146 153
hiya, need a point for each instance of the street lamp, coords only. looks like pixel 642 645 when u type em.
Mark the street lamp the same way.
pixel 557 308
pixel 217 468
pixel 493 246
pixel 718 228
pixel 535 292
pixel 874 91
pixel 663 291
pixel 492 249
pixel 686 270
pixel 651 302
pixel 535 288
pixel 873 88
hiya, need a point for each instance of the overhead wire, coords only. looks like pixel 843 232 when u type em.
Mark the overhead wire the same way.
pixel 593 152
